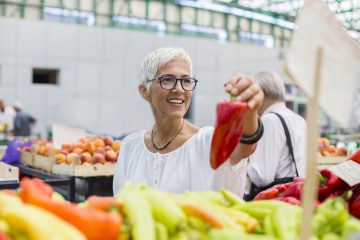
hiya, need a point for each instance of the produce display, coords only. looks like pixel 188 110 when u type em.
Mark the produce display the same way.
pixel 331 186
pixel 138 212
pixel 326 149
pixel 89 150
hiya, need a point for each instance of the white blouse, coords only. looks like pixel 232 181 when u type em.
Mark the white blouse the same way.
pixel 184 169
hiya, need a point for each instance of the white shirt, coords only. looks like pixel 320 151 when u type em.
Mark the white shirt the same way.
pixel 271 158
pixel 185 169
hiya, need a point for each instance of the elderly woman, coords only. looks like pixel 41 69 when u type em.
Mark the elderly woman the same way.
pixel 174 155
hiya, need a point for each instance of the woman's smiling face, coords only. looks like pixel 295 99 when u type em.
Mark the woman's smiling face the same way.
pixel 170 103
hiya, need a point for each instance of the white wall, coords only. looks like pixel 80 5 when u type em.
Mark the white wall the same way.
pixel 98 72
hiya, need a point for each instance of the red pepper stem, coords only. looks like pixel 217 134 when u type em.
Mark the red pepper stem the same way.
pixel 232 98
pixel 322 179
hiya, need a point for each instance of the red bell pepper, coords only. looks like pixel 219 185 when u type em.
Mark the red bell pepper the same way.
pixel 273 192
pixel 355 156
pixel 291 200
pixel 228 129
pixel 93 223
pixel 294 190
pixel 354 202
pixel 355 194
pixel 355 209
pixel 330 183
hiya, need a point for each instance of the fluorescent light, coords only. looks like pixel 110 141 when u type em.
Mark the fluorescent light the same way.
pixel 160 25
pixel 219 32
pixel 237 12
pixel 69 15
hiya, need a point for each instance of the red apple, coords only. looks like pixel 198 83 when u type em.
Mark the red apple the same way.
pixel 100 150
pixel 77 150
pixel 67 147
pixel 86 158
pixel 111 156
pixel 108 141
pixel 99 158
pixel 79 145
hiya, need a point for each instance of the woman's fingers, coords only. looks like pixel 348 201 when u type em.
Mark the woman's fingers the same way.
pixel 249 92
pixel 256 101
pixel 244 88
pixel 237 84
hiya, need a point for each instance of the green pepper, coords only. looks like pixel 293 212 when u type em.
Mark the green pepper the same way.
pixel 351 226
pixel 331 216
pixel 286 221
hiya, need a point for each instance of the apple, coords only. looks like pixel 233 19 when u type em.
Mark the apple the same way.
pixel 86 157
pixel 84 140
pixel 99 158
pixel 78 150
pixel 43 150
pixel 79 145
pixel 108 141
pixel 67 147
pixel 116 145
pixel 60 158
pixel 72 158
pixel 100 150
pixel 90 147
pixel 99 143
pixel 111 156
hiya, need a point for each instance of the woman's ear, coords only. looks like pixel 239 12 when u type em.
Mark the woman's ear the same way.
pixel 144 92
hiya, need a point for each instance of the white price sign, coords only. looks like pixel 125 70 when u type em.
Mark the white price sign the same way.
pixel 348 171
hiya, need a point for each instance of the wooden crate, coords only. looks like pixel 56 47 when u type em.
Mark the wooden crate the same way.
pixel 84 170
pixel 42 162
pixel 8 172
pixel 330 160
pixel 2 151
pixel 27 158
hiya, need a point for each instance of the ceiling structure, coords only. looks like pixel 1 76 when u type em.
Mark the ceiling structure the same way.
pixel 347 11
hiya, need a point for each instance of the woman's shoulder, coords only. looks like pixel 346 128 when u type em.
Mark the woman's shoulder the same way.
pixel 134 137
pixel 203 135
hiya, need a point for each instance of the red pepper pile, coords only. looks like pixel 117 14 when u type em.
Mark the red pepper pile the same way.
pixel 228 129
pixel 330 186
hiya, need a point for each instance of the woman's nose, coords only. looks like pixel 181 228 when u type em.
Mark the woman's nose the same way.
pixel 178 86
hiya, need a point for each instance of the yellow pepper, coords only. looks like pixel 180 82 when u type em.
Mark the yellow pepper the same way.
pixel 35 223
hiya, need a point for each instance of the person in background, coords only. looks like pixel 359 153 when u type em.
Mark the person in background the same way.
pixel 174 155
pixel 280 154
pixel 7 116
pixel 24 122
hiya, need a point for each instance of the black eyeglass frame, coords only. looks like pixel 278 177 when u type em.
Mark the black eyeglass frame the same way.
pixel 176 81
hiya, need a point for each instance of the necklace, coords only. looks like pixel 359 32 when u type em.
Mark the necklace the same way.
pixel 168 143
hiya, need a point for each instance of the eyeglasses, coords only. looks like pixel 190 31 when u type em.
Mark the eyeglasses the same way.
pixel 170 82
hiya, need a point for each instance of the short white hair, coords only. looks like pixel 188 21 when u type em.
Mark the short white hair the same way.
pixel 158 59
pixel 272 84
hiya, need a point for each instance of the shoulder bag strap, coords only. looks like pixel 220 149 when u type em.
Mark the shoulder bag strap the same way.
pixel 288 140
